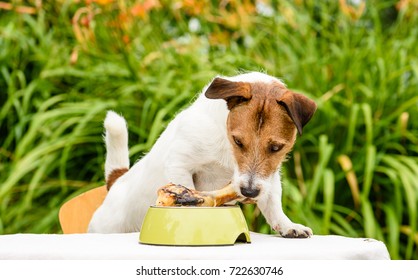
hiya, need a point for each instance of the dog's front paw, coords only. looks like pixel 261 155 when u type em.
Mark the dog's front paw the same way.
pixel 293 231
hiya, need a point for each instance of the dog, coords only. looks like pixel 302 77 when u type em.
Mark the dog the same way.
pixel 239 129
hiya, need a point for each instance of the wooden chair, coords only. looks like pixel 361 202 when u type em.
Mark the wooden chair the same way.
pixel 75 214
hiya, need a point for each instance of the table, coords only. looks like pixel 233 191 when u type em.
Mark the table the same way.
pixel 126 246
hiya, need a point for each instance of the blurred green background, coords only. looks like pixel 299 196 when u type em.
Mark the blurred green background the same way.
pixel 354 172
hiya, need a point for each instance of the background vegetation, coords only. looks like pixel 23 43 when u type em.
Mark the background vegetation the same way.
pixel 354 172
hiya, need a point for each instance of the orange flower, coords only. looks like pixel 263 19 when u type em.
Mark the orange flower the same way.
pixel 409 7
pixel 102 2
pixel 141 9
pixel 193 7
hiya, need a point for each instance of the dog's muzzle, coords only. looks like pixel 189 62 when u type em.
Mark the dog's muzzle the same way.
pixel 249 185
pixel 250 192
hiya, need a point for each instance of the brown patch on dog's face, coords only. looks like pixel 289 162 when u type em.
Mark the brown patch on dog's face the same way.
pixel 262 130
pixel 261 133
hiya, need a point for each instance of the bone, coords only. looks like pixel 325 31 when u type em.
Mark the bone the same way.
pixel 178 195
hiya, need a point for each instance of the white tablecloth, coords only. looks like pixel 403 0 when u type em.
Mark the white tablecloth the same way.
pixel 126 246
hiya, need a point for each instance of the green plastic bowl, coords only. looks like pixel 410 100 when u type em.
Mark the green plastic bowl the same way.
pixel 194 226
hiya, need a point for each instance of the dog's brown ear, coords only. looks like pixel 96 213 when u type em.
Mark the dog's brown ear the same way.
pixel 234 93
pixel 299 107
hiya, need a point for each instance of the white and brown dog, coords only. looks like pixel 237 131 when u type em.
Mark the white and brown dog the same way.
pixel 239 129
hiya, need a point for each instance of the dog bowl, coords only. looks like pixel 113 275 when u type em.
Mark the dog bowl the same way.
pixel 194 226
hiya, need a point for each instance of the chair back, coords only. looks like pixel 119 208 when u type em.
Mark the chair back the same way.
pixel 75 214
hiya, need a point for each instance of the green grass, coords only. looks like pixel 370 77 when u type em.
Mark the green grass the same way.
pixel 352 172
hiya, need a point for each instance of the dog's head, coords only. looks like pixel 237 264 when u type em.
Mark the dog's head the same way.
pixel 262 124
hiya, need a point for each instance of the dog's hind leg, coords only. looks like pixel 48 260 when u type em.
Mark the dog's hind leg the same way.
pixel 117 152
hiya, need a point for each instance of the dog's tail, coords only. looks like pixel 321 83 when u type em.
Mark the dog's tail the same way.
pixel 117 152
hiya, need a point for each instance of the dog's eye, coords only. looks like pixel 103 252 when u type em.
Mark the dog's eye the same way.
pixel 238 142
pixel 274 148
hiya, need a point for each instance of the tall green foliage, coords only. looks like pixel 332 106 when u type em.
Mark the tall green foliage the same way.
pixel 354 170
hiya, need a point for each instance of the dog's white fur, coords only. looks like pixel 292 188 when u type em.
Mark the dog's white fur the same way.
pixel 193 151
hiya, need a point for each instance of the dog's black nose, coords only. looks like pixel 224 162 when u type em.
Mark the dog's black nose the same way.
pixel 249 192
